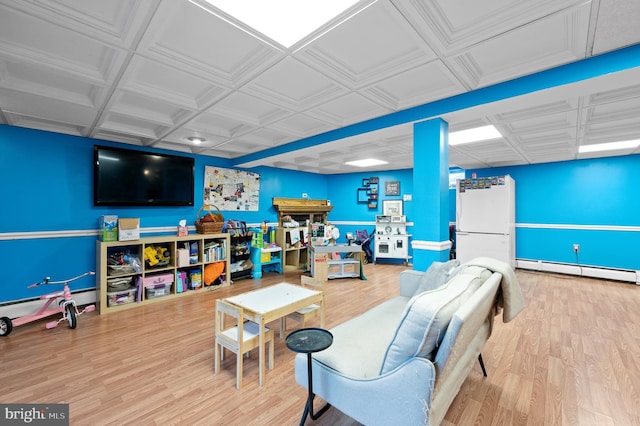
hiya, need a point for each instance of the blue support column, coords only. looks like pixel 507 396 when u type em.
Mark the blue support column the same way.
pixel 430 233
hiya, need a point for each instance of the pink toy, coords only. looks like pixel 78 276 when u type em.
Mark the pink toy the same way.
pixel 66 306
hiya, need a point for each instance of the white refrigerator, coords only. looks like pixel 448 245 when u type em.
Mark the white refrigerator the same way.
pixel 485 219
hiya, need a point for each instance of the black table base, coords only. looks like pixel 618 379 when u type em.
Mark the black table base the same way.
pixel 310 340
pixel 308 409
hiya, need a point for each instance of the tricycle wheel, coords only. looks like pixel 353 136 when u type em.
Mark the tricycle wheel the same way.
pixel 5 326
pixel 71 315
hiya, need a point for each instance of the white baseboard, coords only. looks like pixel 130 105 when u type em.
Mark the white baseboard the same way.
pixel 20 309
pixel 582 271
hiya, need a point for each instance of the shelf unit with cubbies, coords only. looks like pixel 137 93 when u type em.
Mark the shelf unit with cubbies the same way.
pixel 167 273
pixel 240 249
pixel 266 259
pixel 294 242
pixel 264 256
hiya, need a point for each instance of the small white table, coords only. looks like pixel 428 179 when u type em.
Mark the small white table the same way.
pixel 271 303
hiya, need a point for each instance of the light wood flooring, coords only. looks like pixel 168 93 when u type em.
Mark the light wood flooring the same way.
pixel 572 357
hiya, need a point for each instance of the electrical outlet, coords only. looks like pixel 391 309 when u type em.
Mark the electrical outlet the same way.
pixel 576 248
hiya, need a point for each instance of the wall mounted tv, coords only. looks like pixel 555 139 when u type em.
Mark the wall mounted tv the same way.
pixel 125 177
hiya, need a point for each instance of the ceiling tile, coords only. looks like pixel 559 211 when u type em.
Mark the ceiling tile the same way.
pixel 115 22
pixel 39 123
pixel 170 84
pixel 493 152
pixel 613 111
pixel 542 123
pixel 348 109
pixel 560 39
pixel 182 135
pixel 48 108
pixel 301 125
pixel 611 131
pixel 455 25
pixel 628 91
pixel 209 123
pixel 128 125
pixel 57 48
pixel 374 44
pixel 262 138
pixel 294 85
pixel 422 84
pixel 617 25
pixel 148 109
pixel 115 136
pixel 190 38
pixel 249 109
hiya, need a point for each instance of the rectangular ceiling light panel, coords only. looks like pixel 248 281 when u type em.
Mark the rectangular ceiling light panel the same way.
pixel 285 21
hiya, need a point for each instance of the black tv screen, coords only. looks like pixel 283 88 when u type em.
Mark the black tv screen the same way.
pixel 125 177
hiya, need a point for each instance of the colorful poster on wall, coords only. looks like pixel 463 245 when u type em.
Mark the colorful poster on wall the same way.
pixel 230 189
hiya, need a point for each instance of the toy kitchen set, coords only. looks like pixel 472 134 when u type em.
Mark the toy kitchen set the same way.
pixel 392 240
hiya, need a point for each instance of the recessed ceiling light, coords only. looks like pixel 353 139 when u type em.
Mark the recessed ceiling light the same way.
pixel 196 140
pixel 285 21
pixel 367 162
pixel 477 134
pixel 611 146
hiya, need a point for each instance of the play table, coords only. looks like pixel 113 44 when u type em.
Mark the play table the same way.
pixel 271 303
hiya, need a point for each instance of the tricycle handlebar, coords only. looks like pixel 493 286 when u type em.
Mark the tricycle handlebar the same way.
pixel 46 280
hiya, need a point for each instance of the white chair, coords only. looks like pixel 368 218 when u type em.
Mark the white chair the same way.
pixel 308 312
pixel 239 340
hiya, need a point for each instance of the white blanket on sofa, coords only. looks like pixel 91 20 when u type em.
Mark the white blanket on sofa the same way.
pixel 510 298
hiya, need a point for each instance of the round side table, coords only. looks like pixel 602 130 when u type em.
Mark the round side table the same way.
pixel 308 341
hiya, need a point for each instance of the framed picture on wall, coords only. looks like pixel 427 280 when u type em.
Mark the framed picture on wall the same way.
pixel 392 187
pixel 392 207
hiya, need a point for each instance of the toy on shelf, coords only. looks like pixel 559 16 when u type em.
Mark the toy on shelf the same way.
pixel 66 306
pixel 156 256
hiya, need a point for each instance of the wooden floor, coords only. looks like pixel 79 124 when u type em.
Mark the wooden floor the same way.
pixel 571 358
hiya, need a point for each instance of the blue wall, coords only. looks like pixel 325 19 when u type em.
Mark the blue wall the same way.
pixel 342 190
pixel 589 202
pixel 46 187
pixel 48 221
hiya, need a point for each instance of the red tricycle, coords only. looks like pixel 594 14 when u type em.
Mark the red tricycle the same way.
pixel 66 306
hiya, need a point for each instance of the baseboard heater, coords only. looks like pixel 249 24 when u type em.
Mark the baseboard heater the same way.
pixel 21 308
pixel 579 270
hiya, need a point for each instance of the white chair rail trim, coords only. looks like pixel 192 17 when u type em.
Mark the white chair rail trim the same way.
pixel 431 245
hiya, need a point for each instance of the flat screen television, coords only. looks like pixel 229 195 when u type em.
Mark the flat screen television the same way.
pixel 126 177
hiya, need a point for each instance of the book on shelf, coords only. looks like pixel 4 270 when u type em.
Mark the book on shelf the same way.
pixel 214 251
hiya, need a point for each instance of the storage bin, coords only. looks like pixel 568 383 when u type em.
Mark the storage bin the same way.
pixel 152 280
pixel 157 285
pixel 119 284
pixel 159 290
pixel 115 298
pixel 120 269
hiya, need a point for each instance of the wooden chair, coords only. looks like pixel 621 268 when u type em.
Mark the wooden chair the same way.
pixel 308 312
pixel 239 340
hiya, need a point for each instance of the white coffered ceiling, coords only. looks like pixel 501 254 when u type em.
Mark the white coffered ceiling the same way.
pixel 156 72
